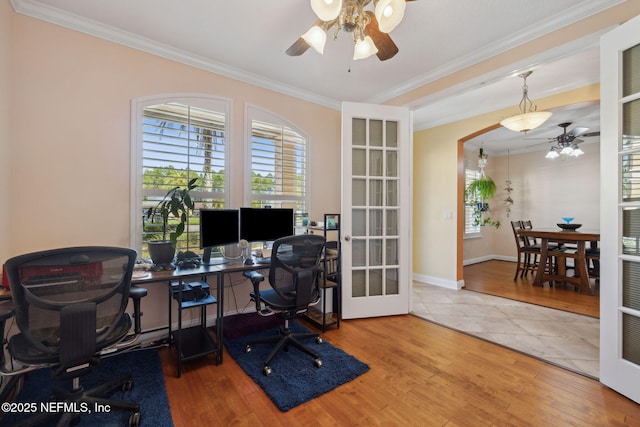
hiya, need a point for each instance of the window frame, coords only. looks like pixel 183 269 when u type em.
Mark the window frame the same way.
pixel 138 105
pixel 470 230
pixel 253 112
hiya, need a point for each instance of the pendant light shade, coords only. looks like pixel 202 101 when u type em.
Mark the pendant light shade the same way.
pixel 389 13
pixel 529 118
pixel 316 37
pixel 364 48
pixel 326 10
pixel 525 122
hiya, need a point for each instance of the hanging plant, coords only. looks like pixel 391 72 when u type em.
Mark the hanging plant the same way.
pixel 478 194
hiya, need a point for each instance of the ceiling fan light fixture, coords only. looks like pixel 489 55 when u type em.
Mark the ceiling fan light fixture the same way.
pixel 316 37
pixel 364 48
pixel 326 10
pixel 567 150
pixel 576 151
pixel 528 118
pixel 552 154
pixel 526 121
pixel 389 13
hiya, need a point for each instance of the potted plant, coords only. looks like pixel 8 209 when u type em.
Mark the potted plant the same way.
pixel 177 203
pixel 478 194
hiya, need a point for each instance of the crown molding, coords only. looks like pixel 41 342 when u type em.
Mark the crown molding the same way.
pixel 55 16
pixel 574 14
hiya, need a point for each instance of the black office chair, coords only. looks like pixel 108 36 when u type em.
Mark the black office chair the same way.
pixel 293 276
pixel 69 306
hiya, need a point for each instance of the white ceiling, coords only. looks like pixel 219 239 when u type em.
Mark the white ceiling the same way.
pixel 247 40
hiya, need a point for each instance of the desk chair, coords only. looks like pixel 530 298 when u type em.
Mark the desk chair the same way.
pixel 293 275
pixel 69 306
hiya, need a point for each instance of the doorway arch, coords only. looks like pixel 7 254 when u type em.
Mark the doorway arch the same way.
pixel 460 200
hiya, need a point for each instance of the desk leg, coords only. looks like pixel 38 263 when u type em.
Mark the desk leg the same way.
pixel 544 253
pixel 220 315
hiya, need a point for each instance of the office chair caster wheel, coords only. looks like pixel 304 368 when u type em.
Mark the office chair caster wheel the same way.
pixel 318 340
pixel 134 419
pixel 247 348
pixel 317 363
pixel 127 386
pixel 266 371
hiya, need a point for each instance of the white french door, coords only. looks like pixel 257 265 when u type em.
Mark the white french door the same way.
pixel 376 210
pixel 620 210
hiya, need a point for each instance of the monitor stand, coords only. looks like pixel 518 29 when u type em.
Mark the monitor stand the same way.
pixel 207 260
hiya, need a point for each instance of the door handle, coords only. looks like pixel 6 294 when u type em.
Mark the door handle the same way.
pixel 347 238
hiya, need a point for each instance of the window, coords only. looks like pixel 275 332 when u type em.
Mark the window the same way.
pixel 178 139
pixel 469 227
pixel 278 164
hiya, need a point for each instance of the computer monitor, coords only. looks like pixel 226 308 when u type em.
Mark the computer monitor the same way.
pixel 218 227
pixel 265 224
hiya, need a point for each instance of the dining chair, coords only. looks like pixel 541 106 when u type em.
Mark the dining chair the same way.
pixel 527 254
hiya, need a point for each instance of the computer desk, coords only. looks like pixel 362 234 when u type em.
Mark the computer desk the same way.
pixel 183 275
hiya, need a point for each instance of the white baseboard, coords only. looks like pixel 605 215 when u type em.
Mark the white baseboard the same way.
pixel 458 284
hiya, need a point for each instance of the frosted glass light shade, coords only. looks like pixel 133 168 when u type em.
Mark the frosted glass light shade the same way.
pixel 552 154
pixel 316 37
pixel 525 122
pixel 364 48
pixel 389 13
pixel 327 10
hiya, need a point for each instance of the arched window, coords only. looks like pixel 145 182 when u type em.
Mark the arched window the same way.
pixel 178 138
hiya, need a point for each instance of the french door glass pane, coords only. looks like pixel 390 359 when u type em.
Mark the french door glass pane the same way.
pixel 391 256
pixel 375 252
pixel 630 177
pixel 359 254
pixel 359 226
pixel 359 132
pixel 392 222
pixel 359 162
pixel 392 163
pixel 375 222
pixel 375 163
pixel 375 133
pixel 631 338
pixel 375 282
pixel 392 134
pixel 631 71
pixel 375 189
pixel 392 284
pixel 358 283
pixel 359 189
pixel 392 193
pixel 631 231
pixel 631 285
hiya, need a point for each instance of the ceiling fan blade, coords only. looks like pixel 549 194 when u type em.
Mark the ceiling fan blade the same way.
pixel 577 141
pixel 578 131
pixel 387 49
pixel 298 48
pixel 587 135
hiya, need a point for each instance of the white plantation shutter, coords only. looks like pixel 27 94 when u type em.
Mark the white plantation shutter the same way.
pixel 469 228
pixel 180 139
pixel 278 165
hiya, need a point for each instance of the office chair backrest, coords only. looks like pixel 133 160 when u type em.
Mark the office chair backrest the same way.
pixel 294 270
pixel 70 286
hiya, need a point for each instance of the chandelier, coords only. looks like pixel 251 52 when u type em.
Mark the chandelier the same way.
pixel 369 28
pixel 528 118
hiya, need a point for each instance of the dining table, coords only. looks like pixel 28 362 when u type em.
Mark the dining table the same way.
pixel 561 253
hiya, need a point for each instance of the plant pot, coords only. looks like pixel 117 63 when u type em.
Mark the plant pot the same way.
pixel 483 207
pixel 161 252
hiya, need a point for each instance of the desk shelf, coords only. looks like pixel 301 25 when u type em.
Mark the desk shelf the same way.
pixel 195 341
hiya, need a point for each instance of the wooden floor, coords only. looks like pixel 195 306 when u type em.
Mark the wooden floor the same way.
pixel 496 278
pixel 421 375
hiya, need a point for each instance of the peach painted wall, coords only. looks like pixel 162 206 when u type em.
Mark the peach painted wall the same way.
pixel 5 120
pixel 70 154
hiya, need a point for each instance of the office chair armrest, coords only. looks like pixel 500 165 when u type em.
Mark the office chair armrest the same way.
pixel 254 276
pixel 4 316
pixel 136 294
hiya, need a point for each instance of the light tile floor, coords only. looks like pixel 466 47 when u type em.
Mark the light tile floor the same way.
pixel 568 340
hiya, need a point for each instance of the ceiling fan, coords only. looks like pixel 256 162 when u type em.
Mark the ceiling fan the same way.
pixel 567 142
pixel 369 28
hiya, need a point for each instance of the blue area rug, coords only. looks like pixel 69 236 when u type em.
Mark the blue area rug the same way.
pixel 294 379
pixel 148 390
